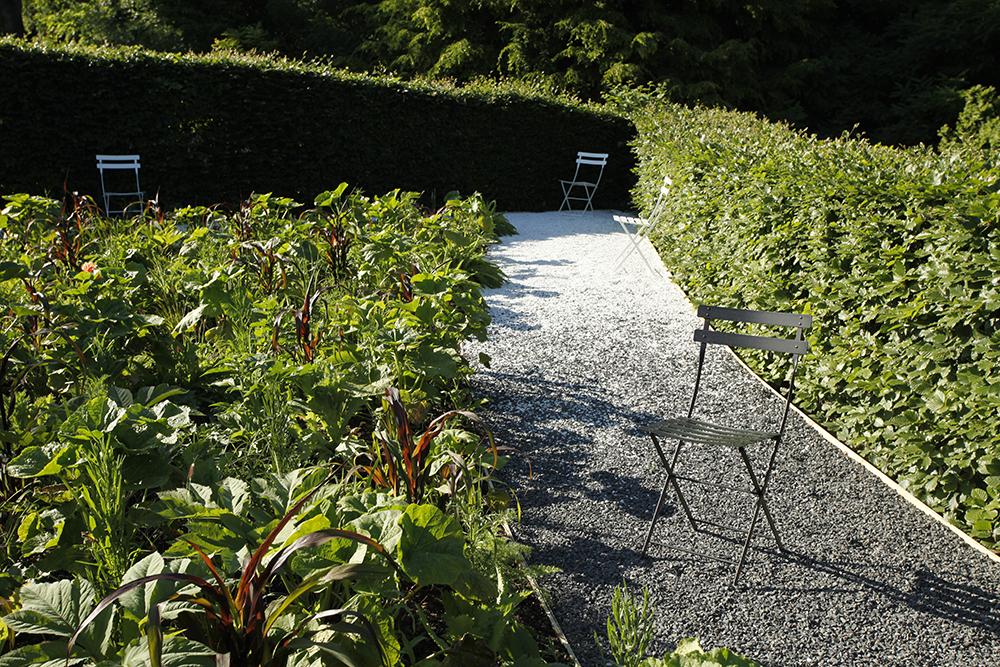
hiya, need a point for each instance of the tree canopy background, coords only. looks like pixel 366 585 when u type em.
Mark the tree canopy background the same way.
pixel 896 69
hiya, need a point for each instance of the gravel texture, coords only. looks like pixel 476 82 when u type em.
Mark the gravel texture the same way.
pixel 581 356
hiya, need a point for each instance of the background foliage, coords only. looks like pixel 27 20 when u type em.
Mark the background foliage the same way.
pixel 215 128
pixel 894 67
pixel 895 252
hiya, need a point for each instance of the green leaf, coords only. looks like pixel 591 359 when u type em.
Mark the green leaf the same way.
pixel 57 609
pixel 46 654
pixel 120 397
pixel 382 526
pixel 38 461
pixel 437 362
pixel 190 320
pixel 233 494
pixel 40 531
pixel 12 270
pixel 177 652
pixel 432 551
pixel 432 546
pixel 139 601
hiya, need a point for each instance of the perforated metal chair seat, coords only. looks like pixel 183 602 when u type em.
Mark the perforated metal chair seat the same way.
pixel 706 433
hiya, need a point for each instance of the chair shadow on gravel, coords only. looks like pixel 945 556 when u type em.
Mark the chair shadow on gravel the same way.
pixel 608 563
pixel 508 316
pixel 525 409
pixel 577 400
pixel 931 593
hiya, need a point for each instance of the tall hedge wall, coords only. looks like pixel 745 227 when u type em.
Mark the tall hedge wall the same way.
pixel 897 255
pixel 214 128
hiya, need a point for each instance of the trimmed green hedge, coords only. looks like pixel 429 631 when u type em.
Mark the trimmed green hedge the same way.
pixel 895 252
pixel 218 127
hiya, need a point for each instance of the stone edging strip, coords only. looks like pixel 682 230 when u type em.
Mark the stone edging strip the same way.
pixel 537 590
pixel 860 460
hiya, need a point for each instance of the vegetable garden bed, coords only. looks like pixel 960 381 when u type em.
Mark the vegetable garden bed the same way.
pixel 250 431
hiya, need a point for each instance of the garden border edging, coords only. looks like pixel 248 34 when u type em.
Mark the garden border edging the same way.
pixel 537 590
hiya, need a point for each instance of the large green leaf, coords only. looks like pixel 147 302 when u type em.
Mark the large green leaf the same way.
pixel 57 609
pixel 233 494
pixel 281 491
pixel 40 461
pixel 689 653
pixel 12 270
pixel 146 470
pixel 431 546
pixel 382 526
pixel 138 601
pixel 190 320
pixel 45 654
pixel 177 652
pixel 40 531
pixel 431 551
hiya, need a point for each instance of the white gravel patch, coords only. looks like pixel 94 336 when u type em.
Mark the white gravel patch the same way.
pixel 581 356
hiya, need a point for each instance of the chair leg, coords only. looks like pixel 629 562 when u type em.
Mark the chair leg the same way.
pixel 622 256
pixel 671 481
pixel 746 543
pixel 590 198
pixel 759 492
pixel 646 262
pixel 633 246
pixel 565 202
pixel 672 477
pixel 627 250
pixel 656 514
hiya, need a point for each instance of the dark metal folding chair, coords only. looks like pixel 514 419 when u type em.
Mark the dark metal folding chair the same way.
pixel 688 430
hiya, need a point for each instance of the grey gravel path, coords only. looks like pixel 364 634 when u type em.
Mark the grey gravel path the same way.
pixel 580 356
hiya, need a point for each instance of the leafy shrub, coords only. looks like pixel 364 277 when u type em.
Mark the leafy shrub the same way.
pixel 978 125
pixel 895 252
pixel 213 128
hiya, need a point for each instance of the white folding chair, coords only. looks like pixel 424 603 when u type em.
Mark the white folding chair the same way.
pixel 589 187
pixel 642 227
pixel 119 163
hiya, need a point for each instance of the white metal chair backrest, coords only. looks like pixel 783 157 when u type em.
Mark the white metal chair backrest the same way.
pixel 661 201
pixel 584 157
pixel 118 163
pixel 592 159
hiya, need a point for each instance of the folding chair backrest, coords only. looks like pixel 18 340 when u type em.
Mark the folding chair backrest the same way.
pixel 599 159
pixel 785 345
pixel 796 346
pixel 661 201
pixel 118 163
pixel 593 159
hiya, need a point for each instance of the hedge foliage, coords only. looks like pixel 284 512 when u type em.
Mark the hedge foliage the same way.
pixel 214 128
pixel 897 255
